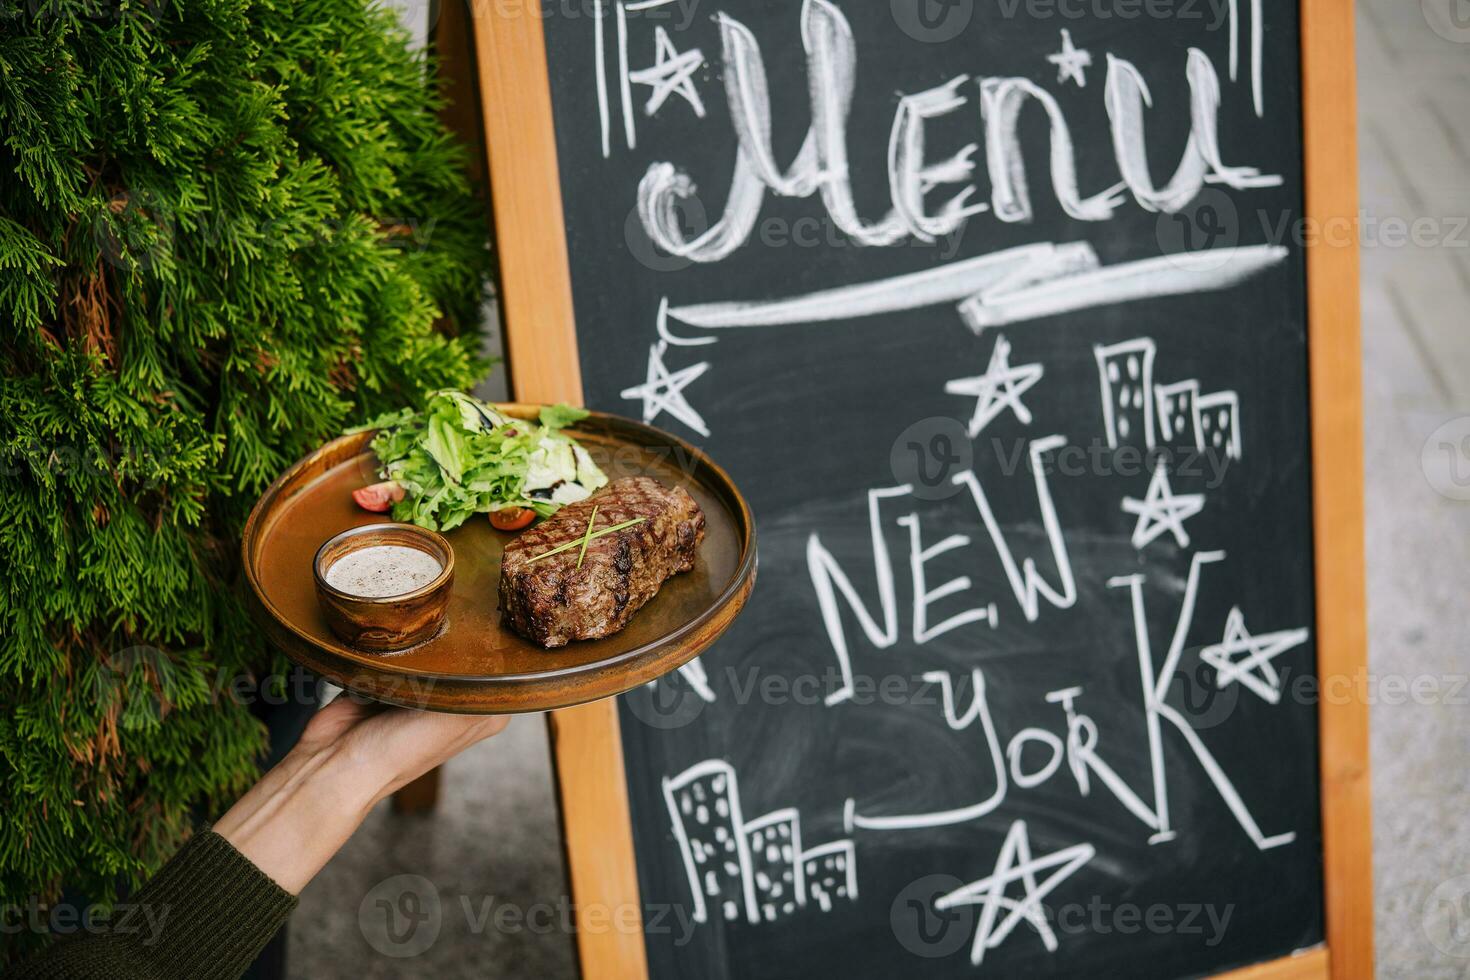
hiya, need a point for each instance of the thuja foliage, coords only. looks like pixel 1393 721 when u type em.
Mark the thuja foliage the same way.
pixel 228 228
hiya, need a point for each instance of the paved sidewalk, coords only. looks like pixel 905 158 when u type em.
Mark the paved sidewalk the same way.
pixel 1414 111
pixel 489 857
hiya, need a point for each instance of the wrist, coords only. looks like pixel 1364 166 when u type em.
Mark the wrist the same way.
pixel 292 821
pixel 335 775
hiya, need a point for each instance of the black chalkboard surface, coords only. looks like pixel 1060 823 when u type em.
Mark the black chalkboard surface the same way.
pixel 996 313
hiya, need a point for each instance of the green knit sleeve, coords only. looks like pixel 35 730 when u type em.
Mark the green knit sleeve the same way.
pixel 205 916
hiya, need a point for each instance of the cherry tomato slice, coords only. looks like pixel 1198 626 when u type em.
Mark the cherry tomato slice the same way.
pixel 511 518
pixel 379 497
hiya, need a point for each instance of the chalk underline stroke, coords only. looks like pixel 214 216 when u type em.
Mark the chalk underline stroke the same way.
pixel 1015 285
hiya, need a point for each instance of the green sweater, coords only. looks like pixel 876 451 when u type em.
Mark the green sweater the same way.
pixel 206 915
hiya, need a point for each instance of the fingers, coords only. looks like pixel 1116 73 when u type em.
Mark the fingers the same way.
pixel 346 708
pixel 470 729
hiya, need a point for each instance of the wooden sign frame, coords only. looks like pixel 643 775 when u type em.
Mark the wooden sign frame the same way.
pixel 536 304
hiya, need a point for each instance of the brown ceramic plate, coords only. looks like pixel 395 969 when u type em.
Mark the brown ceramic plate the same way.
pixel 476 665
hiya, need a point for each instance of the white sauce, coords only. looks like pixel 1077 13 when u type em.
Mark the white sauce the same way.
pixel 382 570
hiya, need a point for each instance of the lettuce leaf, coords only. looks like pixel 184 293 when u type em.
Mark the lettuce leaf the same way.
pixel 561 416
pixel 459 457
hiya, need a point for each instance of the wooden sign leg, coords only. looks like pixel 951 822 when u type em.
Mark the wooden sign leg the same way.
pixel 541 348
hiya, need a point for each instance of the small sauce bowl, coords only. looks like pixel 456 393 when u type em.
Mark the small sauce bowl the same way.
pixel 385 623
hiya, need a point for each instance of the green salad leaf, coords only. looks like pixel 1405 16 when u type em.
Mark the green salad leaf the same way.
pixel 459 457
pixel 561 416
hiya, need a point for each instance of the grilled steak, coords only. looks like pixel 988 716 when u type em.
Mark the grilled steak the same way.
pixel 551 601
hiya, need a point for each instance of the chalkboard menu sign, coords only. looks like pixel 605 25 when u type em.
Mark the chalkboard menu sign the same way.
pixel 998 313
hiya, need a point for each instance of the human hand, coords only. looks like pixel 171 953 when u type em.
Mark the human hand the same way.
pixel 390 747
pixel 352 755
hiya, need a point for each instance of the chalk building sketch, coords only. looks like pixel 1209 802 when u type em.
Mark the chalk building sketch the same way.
pixel 757 868
pixel 776 868
pixel 1217 423
pixel 1208 423
pixel 830 872
pixel 1175 405
pixel 1138 412
pixel 1126 372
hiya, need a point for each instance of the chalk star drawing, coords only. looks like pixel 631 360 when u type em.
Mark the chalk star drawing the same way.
pixel 664 391
pixel 1254 668
pixel 1016 864
pixel 1071 62
pixel 672 73
pixel 999 388
pixel 1162 510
